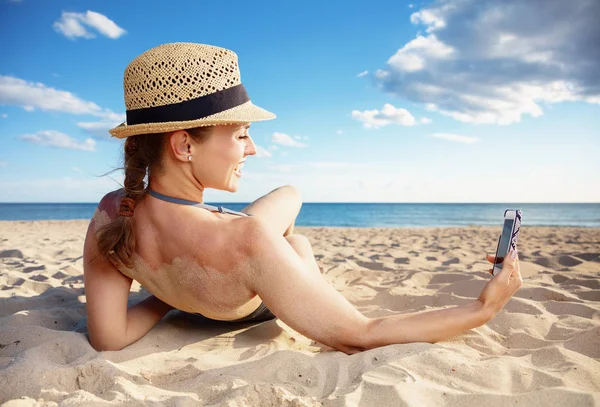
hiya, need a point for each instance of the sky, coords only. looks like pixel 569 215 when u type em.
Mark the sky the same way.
pixel 442 101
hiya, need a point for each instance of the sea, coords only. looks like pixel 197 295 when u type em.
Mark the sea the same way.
pixel 366 214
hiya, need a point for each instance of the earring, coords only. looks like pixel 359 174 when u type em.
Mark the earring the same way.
pixel 189 158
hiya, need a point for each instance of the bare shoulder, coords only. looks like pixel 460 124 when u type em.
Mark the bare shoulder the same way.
pixel 110 202
pixel 240 241
pixel 246 232
pixel 106 211
pixel 228 245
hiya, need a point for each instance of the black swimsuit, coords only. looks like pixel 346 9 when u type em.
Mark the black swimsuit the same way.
pixel 262 313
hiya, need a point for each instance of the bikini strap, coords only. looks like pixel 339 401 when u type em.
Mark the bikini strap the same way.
pixel 180 201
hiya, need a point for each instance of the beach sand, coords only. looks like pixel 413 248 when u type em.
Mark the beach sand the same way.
pixel 543 349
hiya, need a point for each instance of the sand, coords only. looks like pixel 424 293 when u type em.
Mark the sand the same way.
pixel 542 349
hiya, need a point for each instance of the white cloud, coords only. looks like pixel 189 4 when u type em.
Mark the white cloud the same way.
pixel 32 95
pixel 455 137
pixel 427 17
pixel 381 74
pixel 285 140
pixel 72 25
pixel 4 115
pixel 57 139
pixel 272 147
pixel 479 63
pixel 99 129
pixel 262 152
pixel 340 132
pixel 104 25
pixel 420 52
pixel 76 169
pixel 3 164
pixel 363 73
pixel 425 120
pixel 388 115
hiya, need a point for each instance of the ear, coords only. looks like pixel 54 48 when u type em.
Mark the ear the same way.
pixel 180 143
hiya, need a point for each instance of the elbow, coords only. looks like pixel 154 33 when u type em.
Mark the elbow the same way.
pixel 103 345
pixel 355 339
pixel 346 348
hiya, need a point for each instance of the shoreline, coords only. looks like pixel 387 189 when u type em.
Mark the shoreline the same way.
pixel 337 227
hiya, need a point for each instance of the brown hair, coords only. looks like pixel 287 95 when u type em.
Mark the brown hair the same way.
pixel 143 155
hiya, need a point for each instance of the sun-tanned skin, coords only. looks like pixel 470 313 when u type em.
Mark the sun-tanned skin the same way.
pixel 182 230
pixel 233 263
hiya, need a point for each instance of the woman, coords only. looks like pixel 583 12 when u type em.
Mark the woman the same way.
pixel 187 130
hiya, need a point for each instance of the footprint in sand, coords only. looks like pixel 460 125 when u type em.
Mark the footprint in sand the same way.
pixel 373 266
pixel 557 262
pixel 34 268
pixel 543 294
pixel 588 256
pixel 454 260
pixel 568 261
pixel 11 253
pixel 594 284
pixel 59 275
pixel 593 295
pixel 402 260
pixel 570 308
pixel 558 278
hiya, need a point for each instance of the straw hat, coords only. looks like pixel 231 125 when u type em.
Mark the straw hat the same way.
pixel 185 85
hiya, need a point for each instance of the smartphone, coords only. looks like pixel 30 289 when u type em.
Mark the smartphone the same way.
pixel 508 237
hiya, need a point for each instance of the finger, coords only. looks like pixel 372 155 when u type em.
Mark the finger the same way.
pixel 517 272
pixel 510 264
pixel 490 258
pixel 491 271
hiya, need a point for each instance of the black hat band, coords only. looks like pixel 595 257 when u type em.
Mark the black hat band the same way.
pixel 192 109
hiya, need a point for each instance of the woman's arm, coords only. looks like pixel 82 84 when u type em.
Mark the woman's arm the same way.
pixel 308 304
pixel 278 209
pixel 111 325
pixel 429 326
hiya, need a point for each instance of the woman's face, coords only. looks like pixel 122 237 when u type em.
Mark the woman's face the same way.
pixel 217 163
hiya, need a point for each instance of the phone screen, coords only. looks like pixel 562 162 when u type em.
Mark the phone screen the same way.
pixel 504 240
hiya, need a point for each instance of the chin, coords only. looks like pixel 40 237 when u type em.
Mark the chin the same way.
pixel 231 188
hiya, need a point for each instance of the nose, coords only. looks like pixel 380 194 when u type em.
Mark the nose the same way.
pixel 250 147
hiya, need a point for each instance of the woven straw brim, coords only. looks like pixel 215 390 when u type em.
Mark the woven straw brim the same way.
pixel 243 113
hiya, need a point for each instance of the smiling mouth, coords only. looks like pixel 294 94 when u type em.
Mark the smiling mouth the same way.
pixel 238 169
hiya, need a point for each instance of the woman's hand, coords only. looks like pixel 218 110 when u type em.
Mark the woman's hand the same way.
pixel 502 286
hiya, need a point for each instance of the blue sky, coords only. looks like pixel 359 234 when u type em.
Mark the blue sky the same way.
pixel 451 101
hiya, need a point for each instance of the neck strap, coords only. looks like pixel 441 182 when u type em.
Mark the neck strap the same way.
pixel 180 201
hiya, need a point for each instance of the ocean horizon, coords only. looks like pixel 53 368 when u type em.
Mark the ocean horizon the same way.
pixel 364 214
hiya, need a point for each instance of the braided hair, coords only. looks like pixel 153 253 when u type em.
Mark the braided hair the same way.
pixel 142 155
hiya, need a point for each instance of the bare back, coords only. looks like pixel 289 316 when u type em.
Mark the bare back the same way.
pixel 175 258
